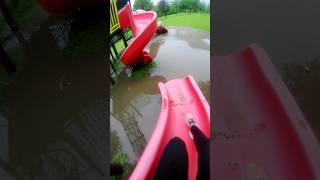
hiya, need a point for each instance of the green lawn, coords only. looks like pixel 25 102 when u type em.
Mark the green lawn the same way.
pixel 195 20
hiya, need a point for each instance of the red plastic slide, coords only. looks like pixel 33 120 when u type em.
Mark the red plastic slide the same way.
pixel 143 26
pixel 259 131
pixel 179 96
pixel 57 6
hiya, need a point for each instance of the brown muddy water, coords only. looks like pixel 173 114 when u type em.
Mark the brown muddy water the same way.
pixel 53 109
pixel 289 31
pixel 135 99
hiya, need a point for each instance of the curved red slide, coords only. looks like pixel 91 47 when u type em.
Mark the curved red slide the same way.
pixel 259 131
pixel 57 6
pixel 143 26
pixel 179 96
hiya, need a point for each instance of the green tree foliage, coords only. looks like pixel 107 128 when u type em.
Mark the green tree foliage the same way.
pixel 163 8
pixel 143 4
pixel 174 7
pixel 177 6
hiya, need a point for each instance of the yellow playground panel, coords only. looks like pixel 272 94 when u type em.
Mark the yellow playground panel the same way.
pixel 114 19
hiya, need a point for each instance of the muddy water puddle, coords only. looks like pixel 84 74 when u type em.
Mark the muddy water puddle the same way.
pixel 135 99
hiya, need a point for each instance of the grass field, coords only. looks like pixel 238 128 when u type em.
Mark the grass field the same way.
pixel 195 20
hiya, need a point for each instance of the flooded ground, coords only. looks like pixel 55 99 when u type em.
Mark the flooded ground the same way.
pixel 53 109
pixel 290 33
pixel 135 99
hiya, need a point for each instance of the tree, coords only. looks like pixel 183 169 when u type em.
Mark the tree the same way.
pixel 188 5
pixel 203 7
pixel 197 5
pixel 143 4
pixel 163 7
pixel 183 5
pixel 174 7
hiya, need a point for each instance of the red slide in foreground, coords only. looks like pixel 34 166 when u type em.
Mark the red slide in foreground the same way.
pixel 143 26
pixel 259 131
pixel 179 96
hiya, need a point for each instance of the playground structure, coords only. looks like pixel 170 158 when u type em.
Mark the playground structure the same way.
pixel 116 34
pixel 143 26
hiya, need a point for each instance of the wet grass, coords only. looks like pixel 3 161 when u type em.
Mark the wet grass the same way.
pixel 195 20
pixel 119 46
pixel 141 72
pixel 122 158
pixel 117 156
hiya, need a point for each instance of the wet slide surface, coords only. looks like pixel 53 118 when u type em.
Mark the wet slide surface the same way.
pixel 259 131
pixel 179 96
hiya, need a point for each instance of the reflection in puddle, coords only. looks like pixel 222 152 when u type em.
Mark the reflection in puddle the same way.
pixel 135 101
pixel 130 105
